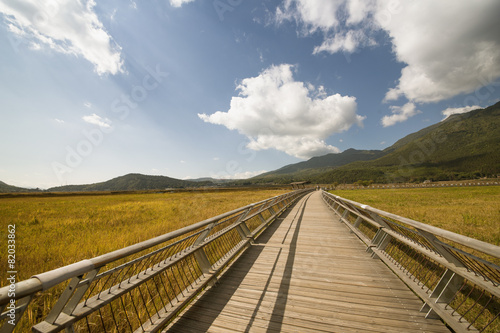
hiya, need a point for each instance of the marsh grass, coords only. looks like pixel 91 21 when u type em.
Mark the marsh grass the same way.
pixel 471 211
pixel 55 231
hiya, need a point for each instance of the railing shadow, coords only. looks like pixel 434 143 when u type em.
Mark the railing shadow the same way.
pixel 276 321
pixel 208 307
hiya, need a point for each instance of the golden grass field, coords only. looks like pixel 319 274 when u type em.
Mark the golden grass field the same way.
pixel 469 211
pixel 55 231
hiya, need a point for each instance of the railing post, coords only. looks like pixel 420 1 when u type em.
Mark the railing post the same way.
pixel 441 250
pixel 270 204
pixel 381 239
pixel 444 292
pixel 20 308
pixel 449 283
pixel 63 299
pixel 344 215
pixel 358 221
pixel 70 307
pixel 242 227
pixel 200 255
pixel 70 298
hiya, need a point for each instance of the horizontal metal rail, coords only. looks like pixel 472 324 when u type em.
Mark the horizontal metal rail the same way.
pixel 142 287
pixel 458 277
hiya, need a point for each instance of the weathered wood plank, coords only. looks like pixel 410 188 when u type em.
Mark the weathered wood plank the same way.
pixel 307 273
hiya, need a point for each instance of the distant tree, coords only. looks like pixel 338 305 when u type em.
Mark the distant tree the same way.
pixel 364 183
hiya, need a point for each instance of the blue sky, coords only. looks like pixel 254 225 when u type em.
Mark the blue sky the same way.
pixel 229 88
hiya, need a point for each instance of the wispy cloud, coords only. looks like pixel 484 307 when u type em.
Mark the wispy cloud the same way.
pixel 451 111
pixel 239 175
pixel 179 3
pixel 277 112
pixel 70 27
pixel 95 119
pixel 347 42
pixel 400 114
pixel 342 22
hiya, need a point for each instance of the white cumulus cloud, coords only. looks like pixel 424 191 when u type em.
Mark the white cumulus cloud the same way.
pixel 95 119
pixel 70 27
pixel 400 114
pixel 448 47
pixel 451 111
pixel 312 14
pixel 277 112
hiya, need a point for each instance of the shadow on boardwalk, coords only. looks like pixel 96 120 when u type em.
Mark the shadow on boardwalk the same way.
pixel 307 273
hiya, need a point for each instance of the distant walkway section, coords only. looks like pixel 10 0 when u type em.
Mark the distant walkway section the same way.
pixel 307 273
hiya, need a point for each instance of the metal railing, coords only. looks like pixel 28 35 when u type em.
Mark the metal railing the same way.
pixel 457 277
pixel 140 288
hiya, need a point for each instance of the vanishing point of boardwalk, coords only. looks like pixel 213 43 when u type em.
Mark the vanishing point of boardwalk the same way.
pixel 307 273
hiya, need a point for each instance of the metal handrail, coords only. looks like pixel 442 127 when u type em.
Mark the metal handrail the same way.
pixel 484 247
pixel 170 270
pixel 460 287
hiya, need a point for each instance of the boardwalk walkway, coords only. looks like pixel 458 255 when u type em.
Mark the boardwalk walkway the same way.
pixel 307 273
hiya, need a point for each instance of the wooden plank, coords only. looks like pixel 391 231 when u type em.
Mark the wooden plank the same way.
pixel 307 273
pixel 312 309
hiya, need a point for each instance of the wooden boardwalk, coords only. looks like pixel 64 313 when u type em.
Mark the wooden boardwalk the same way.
pixel 307 273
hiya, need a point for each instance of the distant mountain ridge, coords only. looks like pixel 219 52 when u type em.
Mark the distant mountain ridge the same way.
pixel 463 146
pixel 329 160
pixel 5 188
pixel 132 182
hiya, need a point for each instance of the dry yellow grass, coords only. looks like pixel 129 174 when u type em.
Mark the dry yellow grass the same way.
pixel 55 231
pixel 469 211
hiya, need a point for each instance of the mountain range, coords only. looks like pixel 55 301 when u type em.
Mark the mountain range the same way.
pixel 463 146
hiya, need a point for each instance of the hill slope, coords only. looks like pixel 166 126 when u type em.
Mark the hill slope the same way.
pixel 462 146
pixel 132 182
pixel 6 188
pixel 329 160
